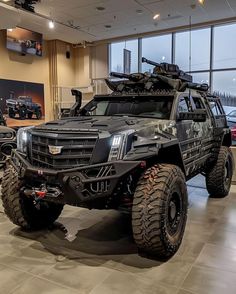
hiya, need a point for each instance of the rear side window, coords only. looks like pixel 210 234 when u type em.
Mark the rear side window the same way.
pixel 215 108
pixel 198 103
pixel 184 105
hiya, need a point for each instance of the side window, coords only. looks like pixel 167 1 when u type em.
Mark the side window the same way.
pixel 198 103
pixel 184 105
pixel 215 108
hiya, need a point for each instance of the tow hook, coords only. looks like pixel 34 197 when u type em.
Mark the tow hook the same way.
pixel 37 194
pixel 42 192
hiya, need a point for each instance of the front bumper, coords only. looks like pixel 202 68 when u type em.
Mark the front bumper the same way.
pixel 77 185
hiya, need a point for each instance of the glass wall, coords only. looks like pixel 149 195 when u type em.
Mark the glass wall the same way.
pixel 117 55
pixel 200 50
pixel 157 49
pixel 224 44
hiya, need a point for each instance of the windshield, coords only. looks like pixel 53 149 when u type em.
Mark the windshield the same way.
pixel 157 107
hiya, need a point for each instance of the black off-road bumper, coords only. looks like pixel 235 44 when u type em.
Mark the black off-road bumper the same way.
pixel 78 185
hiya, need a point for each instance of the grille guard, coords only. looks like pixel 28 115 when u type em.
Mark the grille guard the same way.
pixel 78 185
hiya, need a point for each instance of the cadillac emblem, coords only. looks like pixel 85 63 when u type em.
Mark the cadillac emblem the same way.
pixel 54 150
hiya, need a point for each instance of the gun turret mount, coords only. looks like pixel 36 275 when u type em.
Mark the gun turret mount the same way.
pixel 165 76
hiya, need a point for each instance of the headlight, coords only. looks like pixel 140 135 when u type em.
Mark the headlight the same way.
pixel 22 139
pixel 118 146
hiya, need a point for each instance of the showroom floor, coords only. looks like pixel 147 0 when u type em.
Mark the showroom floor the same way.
pixel 92 252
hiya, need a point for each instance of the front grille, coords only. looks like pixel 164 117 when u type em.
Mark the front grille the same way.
pixel 77 149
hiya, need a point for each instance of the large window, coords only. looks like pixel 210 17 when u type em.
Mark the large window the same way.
pixel 157 49
pixel 224 46
pixel 202 78
pixel 117 55
pixel 200 50
pixel 224 85
pixel 213 58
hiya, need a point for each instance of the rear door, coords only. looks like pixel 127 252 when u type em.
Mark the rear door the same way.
pixel 195 137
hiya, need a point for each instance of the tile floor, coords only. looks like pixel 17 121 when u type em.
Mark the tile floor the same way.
pixel 92 252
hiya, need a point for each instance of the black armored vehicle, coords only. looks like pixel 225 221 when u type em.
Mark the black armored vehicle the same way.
pixel 132 150
pixel 24 107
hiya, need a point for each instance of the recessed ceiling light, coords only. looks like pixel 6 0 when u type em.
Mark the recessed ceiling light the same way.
pixel 156 16
pixel 201 2
pixel 107 26
pixel 100 8
pixel 139 11
pixel 51 24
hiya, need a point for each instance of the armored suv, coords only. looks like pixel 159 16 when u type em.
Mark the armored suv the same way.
pixel 132 150
pixel 24 107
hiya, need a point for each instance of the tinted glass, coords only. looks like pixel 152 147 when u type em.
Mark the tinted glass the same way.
pixel 158 107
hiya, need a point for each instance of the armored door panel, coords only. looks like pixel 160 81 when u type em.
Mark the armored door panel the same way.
pixel 196 139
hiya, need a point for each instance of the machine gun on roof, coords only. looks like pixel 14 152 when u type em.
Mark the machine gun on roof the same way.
pixel 165 76
pixel 170 70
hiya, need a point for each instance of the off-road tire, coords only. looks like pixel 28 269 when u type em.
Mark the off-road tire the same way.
pixel 152 232
pixel 11 113
pixel 30 115
pixel 22 113
pixel 21 210
pixel 39 114
pixel 218 178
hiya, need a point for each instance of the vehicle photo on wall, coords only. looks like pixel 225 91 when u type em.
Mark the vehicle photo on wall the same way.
pixel 22 103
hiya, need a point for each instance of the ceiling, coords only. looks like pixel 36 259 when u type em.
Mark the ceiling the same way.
pixel 126 17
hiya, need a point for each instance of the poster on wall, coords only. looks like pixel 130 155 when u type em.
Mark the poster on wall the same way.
pixel 22 103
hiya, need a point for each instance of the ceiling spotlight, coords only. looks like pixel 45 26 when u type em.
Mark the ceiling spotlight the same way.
pixel 51 24
pixel 201 2
pixel 139 11
pixel 156 16
pixel 100 8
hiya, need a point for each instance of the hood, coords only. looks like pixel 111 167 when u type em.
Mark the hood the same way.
pixel 4 129
pixel 111 124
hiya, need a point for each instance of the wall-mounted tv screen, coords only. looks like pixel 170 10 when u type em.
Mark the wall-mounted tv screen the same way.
pixel 25 41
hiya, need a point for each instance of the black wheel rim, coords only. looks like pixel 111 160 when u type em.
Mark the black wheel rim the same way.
pixel 227 175
pixel 174 218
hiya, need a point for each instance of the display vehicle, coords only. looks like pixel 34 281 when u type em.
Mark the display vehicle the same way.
pixel 24 107
pixel 132 150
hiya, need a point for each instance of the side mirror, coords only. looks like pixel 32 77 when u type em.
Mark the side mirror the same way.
pixel 198 115
pixel 78 102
